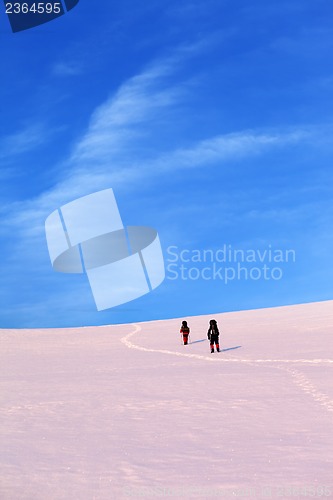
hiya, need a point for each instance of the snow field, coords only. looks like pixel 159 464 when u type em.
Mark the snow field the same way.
pixel 126 411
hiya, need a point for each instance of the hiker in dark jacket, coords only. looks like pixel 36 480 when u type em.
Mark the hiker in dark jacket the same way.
pixel 213 335
pixel 185 331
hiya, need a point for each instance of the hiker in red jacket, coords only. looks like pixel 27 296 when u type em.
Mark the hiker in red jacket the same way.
pixel 185 331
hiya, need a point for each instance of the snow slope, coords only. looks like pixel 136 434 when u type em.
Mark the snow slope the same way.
pixel 128 412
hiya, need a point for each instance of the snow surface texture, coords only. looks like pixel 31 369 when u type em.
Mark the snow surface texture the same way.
pixel 126 411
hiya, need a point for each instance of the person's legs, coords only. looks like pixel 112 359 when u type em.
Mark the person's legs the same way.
pixel 214 340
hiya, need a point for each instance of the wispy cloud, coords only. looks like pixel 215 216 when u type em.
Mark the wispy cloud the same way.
pixel 310 42
pixel 26 139
pixel 109 154
pixel 229 147
pixel 64 69
pixel 106 153
pixel 123 117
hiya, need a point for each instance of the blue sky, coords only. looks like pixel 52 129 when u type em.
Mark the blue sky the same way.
pixel 212 122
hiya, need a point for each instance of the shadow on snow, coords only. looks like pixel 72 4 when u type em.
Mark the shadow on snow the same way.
pixel 231 348
pixel 222 350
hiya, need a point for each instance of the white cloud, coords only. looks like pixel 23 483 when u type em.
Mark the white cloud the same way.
pixel 229 147
pixel 121 119
pixel 24 140
pixel 105 156
pixel 64 69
